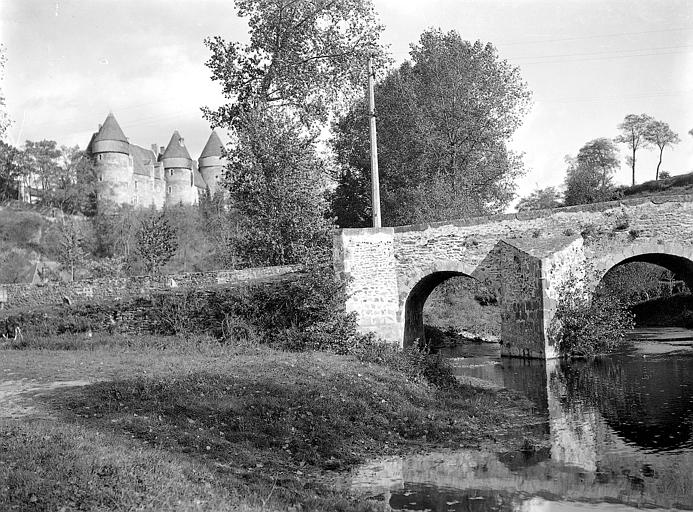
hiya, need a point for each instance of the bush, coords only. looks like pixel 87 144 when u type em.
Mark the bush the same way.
pixel 306 312
pixel 584 326
pixel 418 365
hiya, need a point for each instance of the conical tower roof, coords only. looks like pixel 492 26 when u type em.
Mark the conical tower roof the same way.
pixel 110 130
pixel 213 147
pixel 176 148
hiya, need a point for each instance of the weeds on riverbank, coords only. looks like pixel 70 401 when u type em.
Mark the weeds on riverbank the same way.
pixel 587 324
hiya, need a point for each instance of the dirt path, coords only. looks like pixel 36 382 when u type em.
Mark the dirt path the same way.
pixel 17 396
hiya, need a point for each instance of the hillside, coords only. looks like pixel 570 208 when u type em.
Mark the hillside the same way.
pixel 27 236
pixel 681 184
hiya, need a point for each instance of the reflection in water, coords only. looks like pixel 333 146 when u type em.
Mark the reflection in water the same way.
pixel 620 431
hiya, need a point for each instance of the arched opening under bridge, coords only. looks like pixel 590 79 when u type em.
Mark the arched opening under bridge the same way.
pixel 444 304
pixel 656 286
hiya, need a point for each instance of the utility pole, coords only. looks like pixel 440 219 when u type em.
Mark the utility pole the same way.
pixel 375 180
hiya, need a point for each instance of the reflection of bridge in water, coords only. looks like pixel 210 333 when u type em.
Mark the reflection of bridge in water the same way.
pixel 620 430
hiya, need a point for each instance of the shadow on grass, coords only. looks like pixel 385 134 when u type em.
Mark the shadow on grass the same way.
pixel 267 436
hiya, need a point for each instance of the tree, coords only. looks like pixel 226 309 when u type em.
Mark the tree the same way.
pixel 12 170
pixel 274 179
pixel 194 248
pixel 661 135
pixel 589 176
pixel 540 199
pixel 156 242
pixel 633 130
pixel 601 156
pixel 116 228
pixel 43 160
pixel 444 121
pixel 4 118
pixel 221 227
pixel 71 245
pixel 303 59
pixel 72 184
pixel 303 55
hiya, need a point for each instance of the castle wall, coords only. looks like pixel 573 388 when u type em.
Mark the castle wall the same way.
pixel 179 187
pixel 143 190
pixel 159 193
pixel 115 177
pixel 211 169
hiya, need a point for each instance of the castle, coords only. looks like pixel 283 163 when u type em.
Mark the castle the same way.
pixel 158 177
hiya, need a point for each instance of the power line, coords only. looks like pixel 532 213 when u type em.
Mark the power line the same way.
pixel 582 38
pixel 658 94
pixel 610 52
pixel 598 36
pixel 654 54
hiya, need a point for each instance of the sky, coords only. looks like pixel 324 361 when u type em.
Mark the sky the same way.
pixel 588 63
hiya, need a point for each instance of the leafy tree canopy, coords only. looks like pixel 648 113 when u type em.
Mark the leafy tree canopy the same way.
pixel 156 242
pixel 540 199
pixel 304 58
pixel 275 182
pixel 4 118
pixel 13 169
pixel 659 134
pixel 633 130
pixel 589 176
pixel 305 55
pixel 444 120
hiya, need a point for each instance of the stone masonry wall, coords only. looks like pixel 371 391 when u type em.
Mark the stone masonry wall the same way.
pixel 21 296
pixel 562 270
pixel 366 257
pixel 468 241
pixel 522 315
pixel 612 232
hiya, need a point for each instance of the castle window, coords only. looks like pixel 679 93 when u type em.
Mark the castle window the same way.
pixel 100 155
pixel 100 176
pixel 191 179
pixel 169 190
pixel 170 172
pixel 135 187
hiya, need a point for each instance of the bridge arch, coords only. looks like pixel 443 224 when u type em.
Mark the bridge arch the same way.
pixel 416 289
pixel 674 257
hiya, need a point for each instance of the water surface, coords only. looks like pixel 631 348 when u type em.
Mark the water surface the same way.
pixel 619 432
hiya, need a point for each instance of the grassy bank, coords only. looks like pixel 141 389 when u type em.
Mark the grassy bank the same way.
pixel 205 427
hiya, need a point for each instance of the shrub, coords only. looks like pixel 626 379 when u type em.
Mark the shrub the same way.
pixel 622 222
pixel 633 234
pixel 584 326
pixel 418 365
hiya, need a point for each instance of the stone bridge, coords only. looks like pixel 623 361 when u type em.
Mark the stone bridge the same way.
pixel 524 258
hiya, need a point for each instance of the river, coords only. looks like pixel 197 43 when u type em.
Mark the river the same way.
pixel 619 434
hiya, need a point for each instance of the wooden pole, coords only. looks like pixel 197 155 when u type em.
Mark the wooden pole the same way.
pixel 375 180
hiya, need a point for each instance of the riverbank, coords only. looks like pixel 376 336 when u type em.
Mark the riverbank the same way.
pixel 176 426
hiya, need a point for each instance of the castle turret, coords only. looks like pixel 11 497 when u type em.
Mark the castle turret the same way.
pixel 211 163
pixel 178 172
pixel 114 168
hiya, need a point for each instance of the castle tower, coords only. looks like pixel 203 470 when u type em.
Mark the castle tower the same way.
pixel 211 163
pixel 178 172
pixel 114 168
